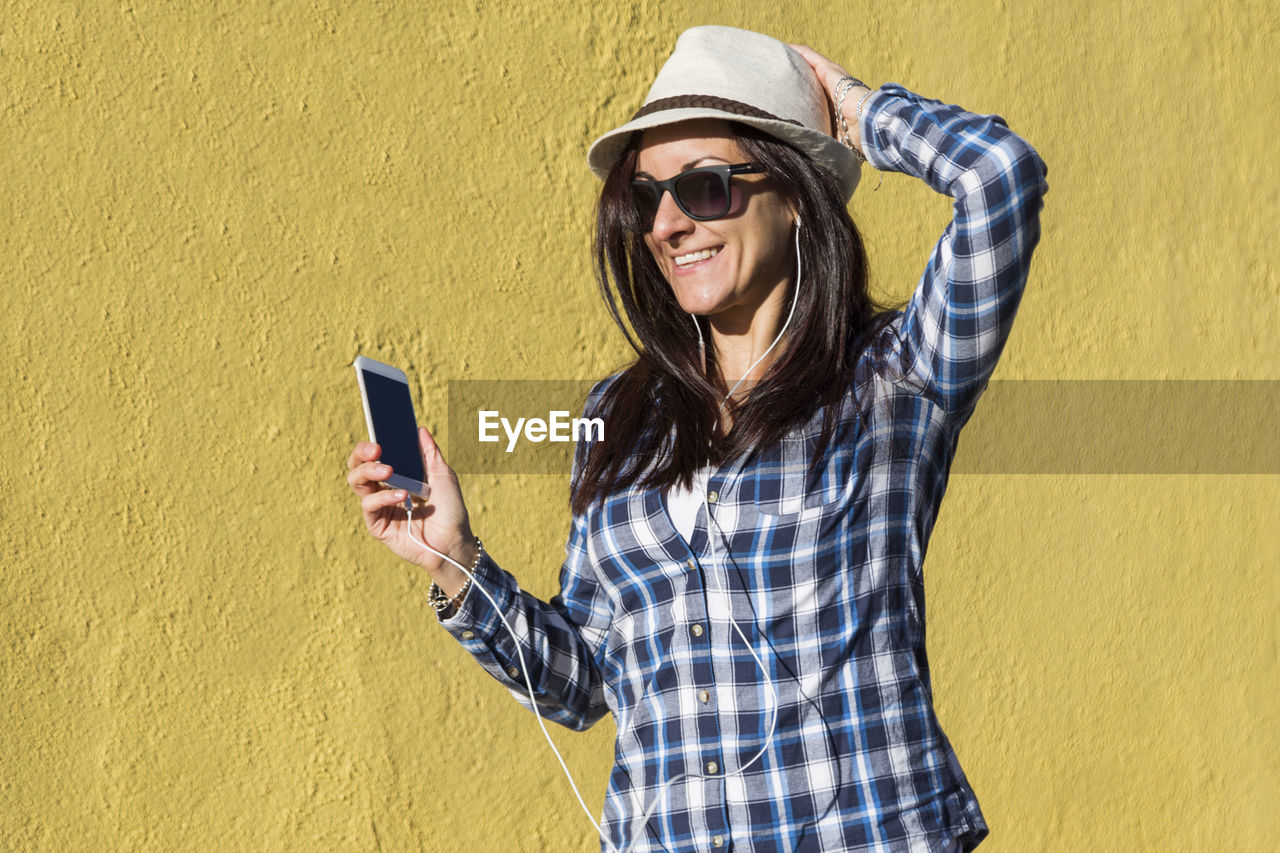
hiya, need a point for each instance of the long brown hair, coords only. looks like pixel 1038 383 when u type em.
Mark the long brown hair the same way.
pixel 661 413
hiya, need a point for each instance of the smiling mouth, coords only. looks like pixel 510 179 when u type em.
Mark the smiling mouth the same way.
pixel 683 261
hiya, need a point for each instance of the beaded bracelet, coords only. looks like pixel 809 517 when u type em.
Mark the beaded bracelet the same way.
pixel 441 602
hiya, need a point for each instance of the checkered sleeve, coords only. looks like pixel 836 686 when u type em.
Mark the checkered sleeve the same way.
pixel 559 644
pixel 956 323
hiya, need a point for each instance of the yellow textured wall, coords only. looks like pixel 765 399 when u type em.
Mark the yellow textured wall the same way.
pixel 209 209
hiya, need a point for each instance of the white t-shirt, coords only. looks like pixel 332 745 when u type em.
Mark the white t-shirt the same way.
pixel 683 504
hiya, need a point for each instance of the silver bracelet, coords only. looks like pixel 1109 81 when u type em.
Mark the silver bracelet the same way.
pixel 843 86
pixel 858 118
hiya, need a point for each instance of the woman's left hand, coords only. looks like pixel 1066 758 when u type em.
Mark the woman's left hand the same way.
pixel 829 74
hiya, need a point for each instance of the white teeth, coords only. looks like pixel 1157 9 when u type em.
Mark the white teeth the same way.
pixel 685 260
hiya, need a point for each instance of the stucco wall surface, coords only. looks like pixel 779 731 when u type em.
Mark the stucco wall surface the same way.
pixel 211 208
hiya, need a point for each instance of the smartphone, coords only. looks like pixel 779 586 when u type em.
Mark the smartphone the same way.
pixel 388 412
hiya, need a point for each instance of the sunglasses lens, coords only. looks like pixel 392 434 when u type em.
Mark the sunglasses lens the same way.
pixel 645 197
pixel 703 194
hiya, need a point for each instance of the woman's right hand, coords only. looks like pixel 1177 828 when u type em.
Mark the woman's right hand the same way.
pixel 441 522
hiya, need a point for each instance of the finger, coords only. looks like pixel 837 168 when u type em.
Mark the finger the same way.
pixel 365 477
pixel 365 451
pixel 826 71
pixel 371 472
pixel 382 499
pixel 812 57
pixel 804 50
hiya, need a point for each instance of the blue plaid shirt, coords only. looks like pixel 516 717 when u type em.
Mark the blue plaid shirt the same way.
pixel 822 572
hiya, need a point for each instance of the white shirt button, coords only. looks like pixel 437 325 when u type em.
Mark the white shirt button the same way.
pixel 691 564
pixel 713 768
pixel 712 497
pixel 514 672
pixel 718 841
pixel 468 635
pixel 697 630
pixel 704 696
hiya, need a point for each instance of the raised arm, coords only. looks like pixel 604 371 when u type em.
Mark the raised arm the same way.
pixel 956 324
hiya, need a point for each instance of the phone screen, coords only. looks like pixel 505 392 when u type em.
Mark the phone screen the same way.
pixel 391 409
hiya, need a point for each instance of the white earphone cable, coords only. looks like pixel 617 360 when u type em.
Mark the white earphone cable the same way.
pixel 706 502
pixel 524 668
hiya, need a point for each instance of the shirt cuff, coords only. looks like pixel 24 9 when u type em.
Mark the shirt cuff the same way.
pixel 475 623
pixel 877 101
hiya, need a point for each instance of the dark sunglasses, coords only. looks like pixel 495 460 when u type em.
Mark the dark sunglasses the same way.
pixel 702 193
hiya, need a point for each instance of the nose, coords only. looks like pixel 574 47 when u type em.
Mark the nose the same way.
pixel 670 221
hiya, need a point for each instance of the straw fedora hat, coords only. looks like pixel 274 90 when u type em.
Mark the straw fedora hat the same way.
pixel 737 75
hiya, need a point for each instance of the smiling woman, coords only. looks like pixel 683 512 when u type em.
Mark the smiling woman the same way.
pixel 740 298
pixel 734 257
pixel 743 584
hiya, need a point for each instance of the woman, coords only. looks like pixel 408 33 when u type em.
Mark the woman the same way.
pixel 743 586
